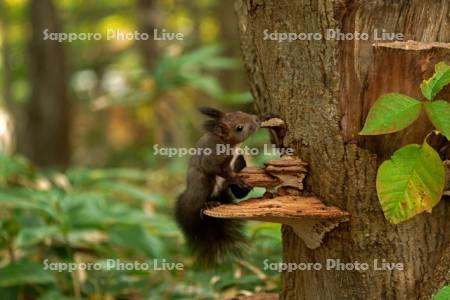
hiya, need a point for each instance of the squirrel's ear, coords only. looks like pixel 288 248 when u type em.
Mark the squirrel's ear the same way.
pixel 211 112
pixel 216 127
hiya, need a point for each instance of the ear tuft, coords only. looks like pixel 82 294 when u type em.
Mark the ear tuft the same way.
pixel 211 112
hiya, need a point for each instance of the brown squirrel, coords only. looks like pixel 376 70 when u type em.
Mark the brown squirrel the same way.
pixel 211 181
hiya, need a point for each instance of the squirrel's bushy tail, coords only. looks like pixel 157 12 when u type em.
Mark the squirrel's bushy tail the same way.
pixel 211 240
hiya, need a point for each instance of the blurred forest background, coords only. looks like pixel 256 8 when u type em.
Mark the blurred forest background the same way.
pixel 78 121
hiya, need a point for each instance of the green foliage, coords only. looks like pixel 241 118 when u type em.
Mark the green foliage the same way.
pixel 189 69
pixel 391 113
pixel 441 78
pixel 175 72
pixel 30 236
pixel 439 114
pixel 89 215
pixel 412 181
pixel 13 167
pixel 443 294
pixel 24 272
pixel 85 215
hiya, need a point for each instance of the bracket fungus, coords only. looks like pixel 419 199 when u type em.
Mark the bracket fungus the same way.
pixel 284 201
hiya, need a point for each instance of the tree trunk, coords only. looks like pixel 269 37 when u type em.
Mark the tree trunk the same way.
pixel 147 15
pixel 231 79
pixel 6 57
pixel 7 137
pixel 323 89
pixel 46 136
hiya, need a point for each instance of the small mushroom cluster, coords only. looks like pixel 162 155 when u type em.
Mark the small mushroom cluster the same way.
pixel 280 177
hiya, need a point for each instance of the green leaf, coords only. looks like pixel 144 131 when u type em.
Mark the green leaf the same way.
pixel 24 272
pixel 10 293
pixel 432 87
pixel 391 113
pixel 118 188
pixel 80 176
pixel 14 166
pixel 439 114
pixel 91 210
pixel 443 294
pixel 54 294
pixel 40 201
pixel 137 239
pixel 207 84
pixel 411 182
pixel 220 63
pixel 31 236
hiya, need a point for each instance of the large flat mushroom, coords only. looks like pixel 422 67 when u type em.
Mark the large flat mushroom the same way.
pixel 308 216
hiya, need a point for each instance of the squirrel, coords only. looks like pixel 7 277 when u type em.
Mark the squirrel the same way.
pixel 211 181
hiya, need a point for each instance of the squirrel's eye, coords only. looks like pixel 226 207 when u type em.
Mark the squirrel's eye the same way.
pixel 239 128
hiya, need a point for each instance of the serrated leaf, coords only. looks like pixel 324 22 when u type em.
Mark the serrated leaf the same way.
pixel 431 87
pixel 439 114
pixel 24 272
pixel 391 113
pixel 411 182
pixel 443 294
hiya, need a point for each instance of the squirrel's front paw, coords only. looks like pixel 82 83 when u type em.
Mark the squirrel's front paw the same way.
pixel 212 204
pixel 209 205
pixel 243 185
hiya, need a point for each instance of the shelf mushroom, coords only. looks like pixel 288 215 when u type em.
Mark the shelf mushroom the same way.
pixel 284 201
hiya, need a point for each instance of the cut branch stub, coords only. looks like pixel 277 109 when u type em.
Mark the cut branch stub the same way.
pixel 272 123
pixel 308 216
pixel 278 128
pixel 386 75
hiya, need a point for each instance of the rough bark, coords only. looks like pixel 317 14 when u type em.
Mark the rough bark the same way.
pixel 441 276
pixel 323 89
pixel 46 136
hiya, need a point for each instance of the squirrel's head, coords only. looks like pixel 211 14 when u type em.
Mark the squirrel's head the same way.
pixel 233 127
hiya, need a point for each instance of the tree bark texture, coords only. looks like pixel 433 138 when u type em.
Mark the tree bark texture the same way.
pixel 324 89
pixel 46 136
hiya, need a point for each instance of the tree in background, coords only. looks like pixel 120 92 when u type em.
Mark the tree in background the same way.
pixel 146 11
pixel 122 208
pixel 45 139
